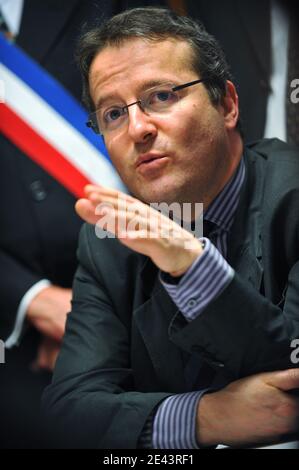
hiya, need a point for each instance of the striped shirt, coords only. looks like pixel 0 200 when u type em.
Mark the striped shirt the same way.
pixel 174 422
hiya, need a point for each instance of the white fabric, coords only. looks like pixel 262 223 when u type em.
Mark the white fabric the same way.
pixel 12 13
pixel 13 339
pixel 276 109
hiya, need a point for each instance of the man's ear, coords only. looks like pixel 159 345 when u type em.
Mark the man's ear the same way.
pixel 230 104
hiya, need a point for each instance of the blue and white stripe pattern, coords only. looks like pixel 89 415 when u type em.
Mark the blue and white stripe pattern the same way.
pixel 175 421
pixel 205 279
pixel 174 425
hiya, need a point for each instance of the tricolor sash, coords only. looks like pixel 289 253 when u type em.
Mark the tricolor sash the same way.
pixel 41 118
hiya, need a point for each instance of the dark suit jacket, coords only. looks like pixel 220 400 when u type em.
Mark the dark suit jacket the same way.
pixel 39 227
pixel 244 31
pixel 127 346
pixel 243 28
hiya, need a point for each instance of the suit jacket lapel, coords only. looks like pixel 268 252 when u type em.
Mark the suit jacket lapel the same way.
pixel 245 240
pixel 153 319
pixel 44 20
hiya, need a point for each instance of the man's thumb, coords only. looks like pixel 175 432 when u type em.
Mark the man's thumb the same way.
pixel 284 380
pixel 86 211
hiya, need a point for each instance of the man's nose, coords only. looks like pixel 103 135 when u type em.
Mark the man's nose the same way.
pixel 141 127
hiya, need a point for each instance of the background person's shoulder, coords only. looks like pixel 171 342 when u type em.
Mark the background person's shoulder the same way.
pixel 275 149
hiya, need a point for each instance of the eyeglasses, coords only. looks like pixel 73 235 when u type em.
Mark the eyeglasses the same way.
pixel 157 100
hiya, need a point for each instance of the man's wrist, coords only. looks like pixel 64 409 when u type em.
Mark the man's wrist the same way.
pixel 194 255
pixel 206 421
pixel 37 303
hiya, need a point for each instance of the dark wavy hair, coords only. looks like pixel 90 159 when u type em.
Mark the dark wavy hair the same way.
pixel 155 24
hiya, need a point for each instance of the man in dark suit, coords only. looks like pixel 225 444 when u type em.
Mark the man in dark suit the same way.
pixel 39 229
pixel 159 316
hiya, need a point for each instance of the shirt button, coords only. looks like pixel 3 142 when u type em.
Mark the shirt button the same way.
pixel 214 363
pixel 219 364
pixel 38 191
pixel 192 303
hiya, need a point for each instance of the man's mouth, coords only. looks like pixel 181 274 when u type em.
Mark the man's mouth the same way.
pixel 147 158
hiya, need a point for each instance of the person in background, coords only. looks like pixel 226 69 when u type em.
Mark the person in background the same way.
pixel 39 227
pixel 261 42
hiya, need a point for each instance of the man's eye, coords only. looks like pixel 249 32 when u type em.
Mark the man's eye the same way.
pixel 113 115
pixel 162 96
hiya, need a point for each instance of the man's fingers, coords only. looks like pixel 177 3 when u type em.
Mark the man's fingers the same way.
pixel 86 211
pixel 108 192
pixel 100 200
pixel 284 380
pixel 135 240
pixel 89 188
pixel 121 202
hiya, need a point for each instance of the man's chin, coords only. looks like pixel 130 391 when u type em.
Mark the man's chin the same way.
pixel 161 190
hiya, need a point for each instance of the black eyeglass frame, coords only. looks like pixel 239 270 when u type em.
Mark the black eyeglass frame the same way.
pixel 95 127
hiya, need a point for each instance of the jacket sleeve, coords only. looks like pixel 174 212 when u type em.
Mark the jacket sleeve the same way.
pixel 241 332
pixel 16 280
pixel 92 402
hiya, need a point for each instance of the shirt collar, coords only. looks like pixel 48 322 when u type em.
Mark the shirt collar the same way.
pixel 222 209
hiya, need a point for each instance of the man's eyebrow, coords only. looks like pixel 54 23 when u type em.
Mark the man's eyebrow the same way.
pixel 145 86
pixel 153 83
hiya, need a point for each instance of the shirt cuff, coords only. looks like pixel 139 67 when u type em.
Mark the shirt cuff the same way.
pixel 206 278
pixel 174 425
pixel 14 338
